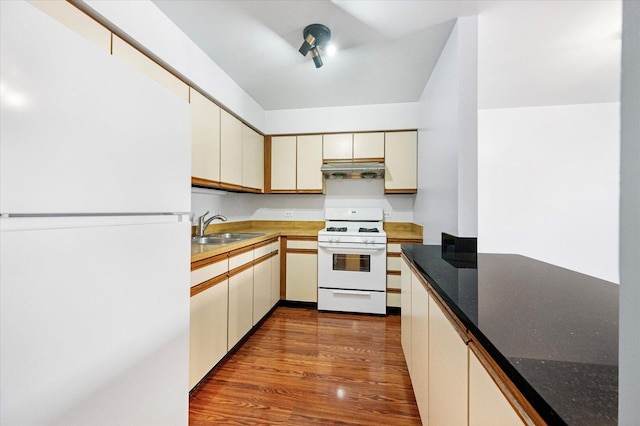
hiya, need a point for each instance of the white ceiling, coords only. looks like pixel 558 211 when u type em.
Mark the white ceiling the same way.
pixel 386 49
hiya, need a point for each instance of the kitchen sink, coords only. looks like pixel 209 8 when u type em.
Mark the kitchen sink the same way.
pixel 224 238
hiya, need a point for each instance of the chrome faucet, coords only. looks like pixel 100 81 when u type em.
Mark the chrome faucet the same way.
pixel 202 223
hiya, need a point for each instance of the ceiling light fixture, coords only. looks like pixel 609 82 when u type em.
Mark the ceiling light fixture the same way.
pixel 316 36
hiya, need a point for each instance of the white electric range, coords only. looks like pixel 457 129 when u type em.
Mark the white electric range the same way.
pixel 352 261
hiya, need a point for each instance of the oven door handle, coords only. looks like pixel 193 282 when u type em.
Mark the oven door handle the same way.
pixel 359 248
pixel 361 293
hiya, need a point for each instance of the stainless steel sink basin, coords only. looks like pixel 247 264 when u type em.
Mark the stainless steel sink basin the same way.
pixel 224 238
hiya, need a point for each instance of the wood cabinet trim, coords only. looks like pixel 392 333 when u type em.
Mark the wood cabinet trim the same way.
pixel 400 191
pixel 240 269
pixel 302 238
pixel 391 272
pixel 340 133
pixel 208 261
pixel 265 257
pixel 196 181
pixel 208 284
pixel 404 241
pixel 283 268
pixel 394 290
pixel 240 251
pixel 302 251
pixel 393 254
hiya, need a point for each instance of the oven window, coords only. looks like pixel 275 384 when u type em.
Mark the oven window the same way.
pixel 352 262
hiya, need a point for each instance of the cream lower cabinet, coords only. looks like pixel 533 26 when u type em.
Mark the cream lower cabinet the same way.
pixel 487 403
pixel 420 347
pixel 275 273
pixel 302 271
pixel 240 295
pixel 208 318
pixel 405 312
pixel 261 281
pixel 448 371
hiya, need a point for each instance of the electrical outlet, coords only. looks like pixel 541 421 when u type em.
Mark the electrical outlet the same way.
pixel 387 214
pixel 288 213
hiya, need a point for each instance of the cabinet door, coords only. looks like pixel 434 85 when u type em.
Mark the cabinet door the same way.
pixel 420 347
pixel 205 138
pixel 309 160
pixel 400 158
pixel 230 149
pixel 275 275
pixel 487 404
pixel 240 306
pixel 368 146
pixel 252 158
pixel 207 330
pixel 261 290
pixel 337 147
pixel 448 376
pixel 129 54
pixel 405 312
pixel 283 163
pixel 302 277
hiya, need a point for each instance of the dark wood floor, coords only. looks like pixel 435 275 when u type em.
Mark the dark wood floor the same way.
pixel 304 367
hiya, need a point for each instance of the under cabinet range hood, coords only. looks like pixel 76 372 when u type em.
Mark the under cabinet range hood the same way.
pixel 351 170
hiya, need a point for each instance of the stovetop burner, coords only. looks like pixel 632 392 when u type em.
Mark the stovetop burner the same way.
pixel 337 229
pixel 368 230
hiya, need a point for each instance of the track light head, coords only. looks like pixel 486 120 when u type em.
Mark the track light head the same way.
pixel 317 60
pixel 315 36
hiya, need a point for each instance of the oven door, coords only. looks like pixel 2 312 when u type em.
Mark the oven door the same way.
pixel 352 266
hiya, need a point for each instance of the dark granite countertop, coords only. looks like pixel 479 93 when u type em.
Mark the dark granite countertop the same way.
pixel 553 331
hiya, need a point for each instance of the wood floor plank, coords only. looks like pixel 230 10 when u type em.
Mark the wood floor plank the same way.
pixel 308 367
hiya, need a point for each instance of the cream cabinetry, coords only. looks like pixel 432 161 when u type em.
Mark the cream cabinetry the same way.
pixel 208 319
pixel 405 312
pixel 487 403
pixel 400 157
pixel 448 374
pixel 69 15
pixel 230 150
pixel 252 159
pixel 283 163
pixel 261 281
pixel 337 146
pixel 295 164
pixel 275 273
pixel 129 54
pixel 302 271
pixel 309 161
pixel 240 295
pixel 369 146
pixel 205 138
pixel 420 346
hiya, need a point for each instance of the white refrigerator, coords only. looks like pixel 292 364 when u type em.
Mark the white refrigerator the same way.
pixel 94 233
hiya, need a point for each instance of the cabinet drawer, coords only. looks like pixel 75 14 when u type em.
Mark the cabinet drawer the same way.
pixel 203 274
pixel 297 244
pixel 393 281
pixel 352 301
pixel 258 252
pixel 393 263
pixel 393 248
pixel 240 259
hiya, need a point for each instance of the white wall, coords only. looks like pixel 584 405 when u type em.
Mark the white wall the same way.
pixel 343 119
pixel 145 23
pixel 447 189
pixel 629 385
pixel 548 166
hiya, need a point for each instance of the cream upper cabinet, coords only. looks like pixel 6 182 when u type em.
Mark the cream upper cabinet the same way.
pixel 400 157
pixel 141 62
pixel 283 163
pixel 252 158
pixel 230 149
pixel 205 138
pixel 448 371
pixel 487 404
pixel 309 161
pixel 338 146
pixel 368 146
pixel 69 15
